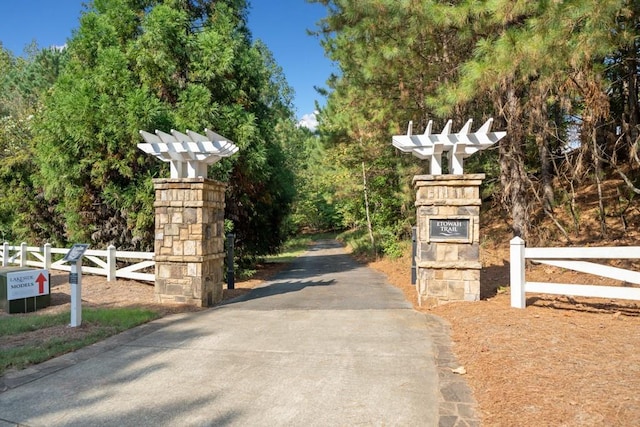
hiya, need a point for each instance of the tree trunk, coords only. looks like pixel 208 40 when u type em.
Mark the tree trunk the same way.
pixel 546 172
pixel 598 172
pixel 633 110
pixel 366 207
pixel 512 170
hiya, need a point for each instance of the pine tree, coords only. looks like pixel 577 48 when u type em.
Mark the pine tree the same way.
pixel 543 63
pixel 392 56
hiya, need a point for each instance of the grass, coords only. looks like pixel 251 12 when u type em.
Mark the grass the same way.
pixel 26 323
pixel 98 324
pixel 295 246
pixel 290 250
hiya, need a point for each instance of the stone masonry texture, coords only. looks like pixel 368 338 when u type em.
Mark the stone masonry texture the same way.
pixel 448 269
pixel 189 241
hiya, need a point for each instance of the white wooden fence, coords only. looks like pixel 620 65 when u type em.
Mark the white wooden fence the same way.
pixel 570 258
pixel 100 262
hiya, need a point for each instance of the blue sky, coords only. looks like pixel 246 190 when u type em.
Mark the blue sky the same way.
pixel 280 24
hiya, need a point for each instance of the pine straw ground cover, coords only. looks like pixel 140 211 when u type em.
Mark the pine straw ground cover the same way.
pixel 560 362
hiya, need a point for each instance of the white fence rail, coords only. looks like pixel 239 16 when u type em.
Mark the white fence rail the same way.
pixel 99 262
pixel 570 258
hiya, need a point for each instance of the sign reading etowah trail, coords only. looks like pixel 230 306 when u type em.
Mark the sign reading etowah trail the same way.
pixel 449 228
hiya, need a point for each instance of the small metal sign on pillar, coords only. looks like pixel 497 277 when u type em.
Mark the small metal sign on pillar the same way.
pixel 189 211
pixel 447 254
pixel 74 257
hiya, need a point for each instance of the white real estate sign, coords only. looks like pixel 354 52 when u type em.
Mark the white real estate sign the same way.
pixel 26 284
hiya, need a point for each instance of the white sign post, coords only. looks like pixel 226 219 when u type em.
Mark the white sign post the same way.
pixel 74 257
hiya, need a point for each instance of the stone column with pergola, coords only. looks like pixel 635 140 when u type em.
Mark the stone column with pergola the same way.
pixel 189 217
pixel 448 212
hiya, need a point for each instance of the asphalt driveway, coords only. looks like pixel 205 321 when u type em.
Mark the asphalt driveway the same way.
pixel 325 343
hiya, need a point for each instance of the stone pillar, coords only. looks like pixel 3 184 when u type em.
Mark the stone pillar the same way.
pixel 189 241
pixel 448 250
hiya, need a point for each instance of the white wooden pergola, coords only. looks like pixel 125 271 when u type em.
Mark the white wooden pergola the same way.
pixel 460 145
pixel 188 154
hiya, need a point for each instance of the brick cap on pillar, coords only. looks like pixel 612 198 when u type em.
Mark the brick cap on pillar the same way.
pixel 467 179
pixel 450 265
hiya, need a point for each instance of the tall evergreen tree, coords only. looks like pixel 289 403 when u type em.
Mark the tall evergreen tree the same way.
pixel 391 55
pixel 23 81
pixel 541 68
pixel 543 63
pixel 152 64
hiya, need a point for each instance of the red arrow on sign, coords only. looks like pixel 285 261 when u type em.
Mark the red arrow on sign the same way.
pixel 40 281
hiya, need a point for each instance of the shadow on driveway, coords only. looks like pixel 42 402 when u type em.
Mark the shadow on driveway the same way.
pixel 279 288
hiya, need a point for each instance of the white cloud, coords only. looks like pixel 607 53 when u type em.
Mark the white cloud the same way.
pixel 309 121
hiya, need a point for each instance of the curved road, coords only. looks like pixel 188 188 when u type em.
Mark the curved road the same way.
pixel 325 343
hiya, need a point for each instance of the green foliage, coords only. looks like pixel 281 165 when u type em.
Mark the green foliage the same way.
pixel 358 241
pixel 23 82
pixel 388 69
pixel 313 209
pixel 389 243
pixel 145 64
pixel 550 73
pixel 104 323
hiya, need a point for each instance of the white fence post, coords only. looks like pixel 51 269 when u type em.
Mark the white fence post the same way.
pixel 104 261
pixel 518 299
pixel 23 254
pixel 111 263
pixel 47 256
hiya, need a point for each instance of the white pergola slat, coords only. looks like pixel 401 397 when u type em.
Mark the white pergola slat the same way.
pixel 189 153
pixel 460 145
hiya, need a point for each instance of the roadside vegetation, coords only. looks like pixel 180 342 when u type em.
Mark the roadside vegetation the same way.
pixel 560 77
pixel 31 338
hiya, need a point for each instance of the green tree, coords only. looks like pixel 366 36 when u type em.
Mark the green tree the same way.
pixel 542 69
pixel 391 56
pixel 184 64
pixel 542 62
pixel 23 80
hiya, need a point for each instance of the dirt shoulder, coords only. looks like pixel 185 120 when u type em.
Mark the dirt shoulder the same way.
pixel 97 292
pixel 559 362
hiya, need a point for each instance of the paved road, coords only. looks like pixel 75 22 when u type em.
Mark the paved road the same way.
pixel 326 343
